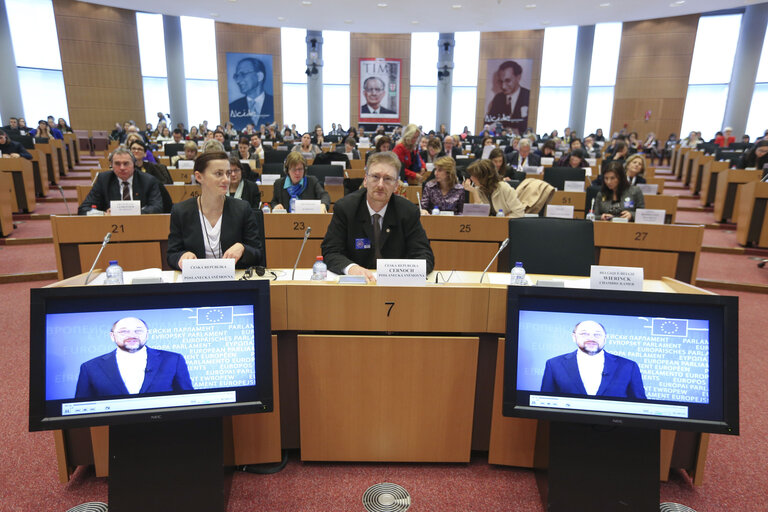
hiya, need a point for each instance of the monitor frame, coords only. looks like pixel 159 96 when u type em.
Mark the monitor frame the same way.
pixel 149 297
pixel 583 301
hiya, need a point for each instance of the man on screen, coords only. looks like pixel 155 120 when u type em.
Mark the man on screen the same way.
pixel 132 368
pixel 590 370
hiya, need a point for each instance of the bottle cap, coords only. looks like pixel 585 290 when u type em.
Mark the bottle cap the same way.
pixel 319 258
pixel 113 262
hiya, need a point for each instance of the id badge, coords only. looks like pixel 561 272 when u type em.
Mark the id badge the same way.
pixel 628 203
pixel 362 243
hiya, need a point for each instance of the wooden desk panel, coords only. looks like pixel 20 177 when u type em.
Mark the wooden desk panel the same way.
pixel 656 264
pixel 660 182
pixel 20 170
pixel 465 256
pixel 666 203
pixel 391 398
pixel 576 199
pixel 697 172
pixel 680 155
pixel 51 161
pixel 709 177
pixel 648 240
pixel 7 199
pixel 752 215
pixel 183 175
pixel 727 194
pixel 129 255
pixel 39 172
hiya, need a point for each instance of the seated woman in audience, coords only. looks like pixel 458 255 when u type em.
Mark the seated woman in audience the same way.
pixel 577 159
pixel 63 126
pixel 213 225
pixel 194 134
pixel 353 133
pixel 412 169
pixel 756 157
pixel 240 187
pixel 317 136
pixel 617 198
pixel 692 141
pixel 306 148
pixel 635 169
pixel 433 152
pixel 444 192
pixel 423 143
pixel 287 134
pixel 190 153
pixel 383 144
pixel 504 171
pixel 547 149
pixel 134 137
pixel 487 141
pixel 42 131
pixel 350 149
pixel 272 134
pixel 297 185
pixel 633 142
pixel 599 137
pixel 619 155
pixel 726 138
pixel 464 133
pixel 243 152
pixel 564 160
pixel 164 135
pixel 486 187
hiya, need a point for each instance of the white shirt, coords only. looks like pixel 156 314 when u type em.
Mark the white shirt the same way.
pixel 371 211
pixel 512 100
pixel 591 370
pixel 132 367
pixel 211 237
pixel 255 105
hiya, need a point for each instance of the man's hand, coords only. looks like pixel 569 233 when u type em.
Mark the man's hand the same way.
pixel 357 270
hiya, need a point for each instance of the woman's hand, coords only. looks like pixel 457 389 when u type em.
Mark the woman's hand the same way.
pixel 186 256
pixel 235 252
pixel 278 206
pixel 424 212
pixel 626 214
pixel 606 216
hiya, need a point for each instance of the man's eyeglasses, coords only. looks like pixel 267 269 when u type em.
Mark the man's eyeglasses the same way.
pixel 375 178
pixel 241 74
pixel 128 332
pixel 374 90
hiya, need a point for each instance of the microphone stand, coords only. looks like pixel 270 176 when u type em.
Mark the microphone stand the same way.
pixel 503 245
pixel 107 237
pixel 301 250
pixel 66 205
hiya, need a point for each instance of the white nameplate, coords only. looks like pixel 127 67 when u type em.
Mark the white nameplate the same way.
pixel 648 189
pixel 185 164
pixel 476 210
pixel 267 143
pixel 430 166
pixel 487 151
pixel 179 183
pixel 530 169
pixel 269 179
pixel 208 270
pixel 397 272
pixel 648 216
pixel 462 157
pixel 334 180
pixel 125 207
pixel 587 172
pixel 591 161
pixel 560 211
pixel 308 206
pixel 616 218
pixel 574 186
pixel 245 161
pixel 449 213
pixel 616 278
pixel 341 164
pixel 547 160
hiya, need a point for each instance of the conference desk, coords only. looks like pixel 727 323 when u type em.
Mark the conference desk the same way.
pixel 51 155
pixel 727 196
pixel 709 177
pixel 752 216
pixel 460 243
pixel 6 204
pixel 689 163
pixel 697 172
pixel 22 175
pixel 385 375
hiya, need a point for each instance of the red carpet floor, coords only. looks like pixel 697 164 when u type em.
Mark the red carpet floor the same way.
pixel 17 259
pixel 31 229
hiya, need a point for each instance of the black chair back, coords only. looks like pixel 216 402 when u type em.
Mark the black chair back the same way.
pixel 557 176
pixel 552 246
pixel 25 140
pixel 321 171
pixel 274 168
pixel 274 156
pixel 173 149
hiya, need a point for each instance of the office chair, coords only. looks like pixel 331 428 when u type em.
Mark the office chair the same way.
pixel 552 246
pixel 321 171
pixel 274 156
pixel 557 176
pixel 274 168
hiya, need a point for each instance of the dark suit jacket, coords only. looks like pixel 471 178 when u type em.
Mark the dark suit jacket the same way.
pixel 107 188
pixel 239 114
pixel 11 146
pixel 402 235
pixel 239 224
pixel 159 171
pixel 499 110
pixel 251 194
pixel 166 371
pixel 314 190
pixel 365 109
pixel 534 160
pixel 621 377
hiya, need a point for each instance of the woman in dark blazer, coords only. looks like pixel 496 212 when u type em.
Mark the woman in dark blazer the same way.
pixel 297 184
pixel 214 225
pixel 240 187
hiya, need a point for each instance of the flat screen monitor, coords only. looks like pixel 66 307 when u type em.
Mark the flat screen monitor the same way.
pixel 654 360
pixel 557 176
pixel 103 355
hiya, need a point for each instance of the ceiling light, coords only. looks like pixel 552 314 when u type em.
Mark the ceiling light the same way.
pixel 605 4
pixel 281 18
pixel 381 5
pixel 306 2
pixel 415 22
pixel 530 6
pixel 456 6
pixel 348 22
pixel 233 1
pixel 214 15
pixel 677 3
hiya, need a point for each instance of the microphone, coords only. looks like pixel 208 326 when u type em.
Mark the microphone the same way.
pixel 301 250
pixel 61 191
pixel 503 245
pixel 107 237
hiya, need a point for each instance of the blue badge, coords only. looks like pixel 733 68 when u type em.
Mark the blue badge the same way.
pixel 362 243
pixel 628 203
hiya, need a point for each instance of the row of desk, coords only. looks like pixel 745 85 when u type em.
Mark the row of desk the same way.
pixel 385 375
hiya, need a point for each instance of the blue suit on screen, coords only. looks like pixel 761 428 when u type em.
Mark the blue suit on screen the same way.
pixel 166 371
pixel 621 377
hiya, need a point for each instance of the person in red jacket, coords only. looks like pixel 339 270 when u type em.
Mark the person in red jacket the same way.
pixel 412 165
pixel 726 139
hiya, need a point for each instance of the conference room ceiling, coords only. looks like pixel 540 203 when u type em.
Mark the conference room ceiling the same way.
pixel 405 16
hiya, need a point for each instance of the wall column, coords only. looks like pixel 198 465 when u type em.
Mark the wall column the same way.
pixel 174 63
pixel 745 66
pixel 580 88
pixel 10 97
pixel 314 79
pixel 445 44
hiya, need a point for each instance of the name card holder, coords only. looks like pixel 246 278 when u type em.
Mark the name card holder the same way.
pixel 208 270
pixel 559 211
pixel 401 272
pixel 125 207
pixel 616 278
pixel 649 216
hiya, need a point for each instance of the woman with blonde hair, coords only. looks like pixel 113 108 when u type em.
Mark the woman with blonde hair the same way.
pixel 444 192
pixel 406 151
pixel 634 166
pixel 486 187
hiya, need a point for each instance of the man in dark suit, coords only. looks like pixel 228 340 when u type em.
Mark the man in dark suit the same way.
pixel 590 370
pixel 132 368
pixel 450 148
pixel 373 90
pixel 523 157
pixel 350 244
pixel 12 149
pixel 256 106
pixel 510 106
pixel 122 183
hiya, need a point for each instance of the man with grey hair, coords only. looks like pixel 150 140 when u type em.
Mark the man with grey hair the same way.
pixel 374 223
pixel 374 92
pixel 523 157
pixel 123 184
pixel 450 147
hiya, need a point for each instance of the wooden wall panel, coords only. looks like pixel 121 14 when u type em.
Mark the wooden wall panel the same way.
pixel 100 60
pixel 234 38
pixel 520 44
pixel 654 64
pixel 390 46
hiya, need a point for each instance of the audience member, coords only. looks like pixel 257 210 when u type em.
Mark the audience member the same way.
pixel 486 187
pixel 617 198
pixel 297 185
pixel 444 192
pixel 241 188
pixel 412 168
pixel 12 149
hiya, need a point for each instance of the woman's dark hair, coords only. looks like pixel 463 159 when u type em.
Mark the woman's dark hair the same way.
pixel 621 174
pixel 486 175
pixel 202 161
pixel 750 157
pixel 383 140
pixel 549 144
pixel 244 140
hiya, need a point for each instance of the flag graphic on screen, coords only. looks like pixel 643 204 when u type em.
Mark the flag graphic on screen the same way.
pixel 209 316
pixel 669 327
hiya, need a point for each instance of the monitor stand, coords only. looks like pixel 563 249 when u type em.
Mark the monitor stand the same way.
pixel 174 465
pixel 602 468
